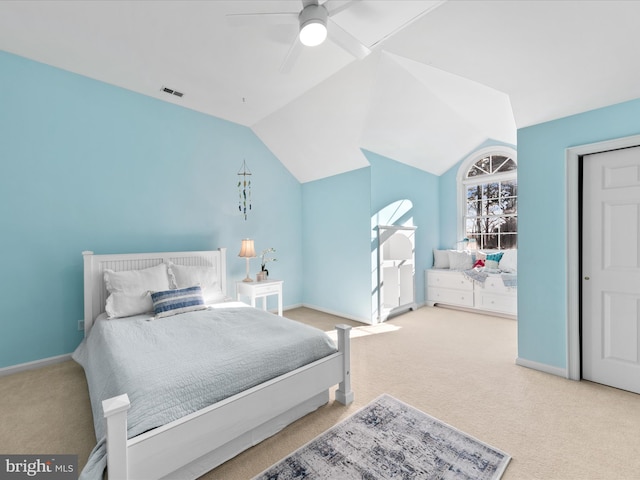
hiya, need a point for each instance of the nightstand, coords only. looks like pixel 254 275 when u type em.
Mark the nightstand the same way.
pixel 262 290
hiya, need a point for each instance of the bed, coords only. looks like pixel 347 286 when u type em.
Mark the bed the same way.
pixel 149 428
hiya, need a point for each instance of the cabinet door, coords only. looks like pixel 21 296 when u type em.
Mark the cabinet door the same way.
pixel 406 284
pixel 390 287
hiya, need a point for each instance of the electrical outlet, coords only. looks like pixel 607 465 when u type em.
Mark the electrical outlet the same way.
pixel 80 325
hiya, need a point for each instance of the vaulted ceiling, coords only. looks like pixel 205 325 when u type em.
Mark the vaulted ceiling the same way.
pixel 443 76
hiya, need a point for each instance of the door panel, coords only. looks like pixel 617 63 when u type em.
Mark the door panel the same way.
pixel 611 268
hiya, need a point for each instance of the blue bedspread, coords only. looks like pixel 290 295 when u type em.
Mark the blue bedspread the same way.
pixel 174 366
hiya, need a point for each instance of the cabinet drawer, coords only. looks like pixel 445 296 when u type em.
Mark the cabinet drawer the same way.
pixel 455 280
pixel 266 289
pixel 451 297
pixel 497 303
pixel 495 285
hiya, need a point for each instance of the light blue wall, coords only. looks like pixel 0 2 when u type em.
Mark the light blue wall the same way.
pixel 337 232
pixel 448 199
pixel 89 166
pixel 336 244
pixel 391 182
pixel 542 216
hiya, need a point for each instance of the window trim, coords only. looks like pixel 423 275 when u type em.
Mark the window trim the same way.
pixel 462 181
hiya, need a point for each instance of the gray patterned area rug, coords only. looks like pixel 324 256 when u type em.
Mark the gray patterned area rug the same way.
pixel 389 439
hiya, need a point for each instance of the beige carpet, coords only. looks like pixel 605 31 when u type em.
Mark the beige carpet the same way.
pixel 456 366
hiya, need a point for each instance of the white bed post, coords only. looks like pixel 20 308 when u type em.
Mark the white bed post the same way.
pixel 344 394
pixel 115 412
pixel 87 256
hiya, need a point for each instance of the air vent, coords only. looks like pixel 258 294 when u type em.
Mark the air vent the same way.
pixel 171 91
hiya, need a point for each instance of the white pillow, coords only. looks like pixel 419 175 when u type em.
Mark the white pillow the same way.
pixel 204 277
pixel 129 290
pixel 460 260
pixel 440 259
pixel 121 304
pixel 491 265
pixel 509 261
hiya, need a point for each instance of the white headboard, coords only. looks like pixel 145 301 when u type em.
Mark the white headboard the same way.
pixel 95 292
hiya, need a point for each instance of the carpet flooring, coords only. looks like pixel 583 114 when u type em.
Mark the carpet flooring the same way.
pixel 457 366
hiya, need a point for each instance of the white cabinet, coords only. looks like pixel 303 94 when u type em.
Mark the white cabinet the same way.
pixel 396 269
pixel 449 287
pixel 262 289
pixel 454 288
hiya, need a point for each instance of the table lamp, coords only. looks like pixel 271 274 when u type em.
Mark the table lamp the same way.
pixel 247 251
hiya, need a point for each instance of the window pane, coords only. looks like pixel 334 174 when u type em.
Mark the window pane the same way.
pixel 472 209
pixel 491 241
pixel 509 240
pixel 496 163
pixel 494 224
pixel 508 166
pixel 474 172
pixel 473 225
pixel 483 225
pixel 510 225
pixel 493 190
pixel 509 188
pixel 509 205
pixel 481 167
pixel 474 192
pixel 484 164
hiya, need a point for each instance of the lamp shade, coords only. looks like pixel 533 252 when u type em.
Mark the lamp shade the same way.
pixel 247 250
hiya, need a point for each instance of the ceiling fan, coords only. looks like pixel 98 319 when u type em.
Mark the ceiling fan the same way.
pixel 315 26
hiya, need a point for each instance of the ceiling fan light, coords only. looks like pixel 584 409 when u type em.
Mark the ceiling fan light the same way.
pixel 313 33
pixel 313 25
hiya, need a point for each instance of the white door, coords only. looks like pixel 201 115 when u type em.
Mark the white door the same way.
pixel 611 269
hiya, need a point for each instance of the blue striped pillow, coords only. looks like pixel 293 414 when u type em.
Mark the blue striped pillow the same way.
pixel 173 302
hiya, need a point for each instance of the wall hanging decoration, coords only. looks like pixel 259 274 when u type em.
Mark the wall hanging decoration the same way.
pixel 244 190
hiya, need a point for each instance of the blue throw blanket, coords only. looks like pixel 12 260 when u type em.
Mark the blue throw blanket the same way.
pixel 510 280
pixel 174 366
pixel 476 275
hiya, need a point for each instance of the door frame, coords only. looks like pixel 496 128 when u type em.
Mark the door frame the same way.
pixel 572 168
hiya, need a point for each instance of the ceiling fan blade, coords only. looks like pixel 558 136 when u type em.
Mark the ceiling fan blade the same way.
pixel 292 56
pixel 253 19
pixel 336 6
pixel 348 42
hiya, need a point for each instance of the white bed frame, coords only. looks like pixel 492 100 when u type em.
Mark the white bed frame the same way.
pixel 191 446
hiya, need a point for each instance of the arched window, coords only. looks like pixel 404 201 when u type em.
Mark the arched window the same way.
pixel 488 197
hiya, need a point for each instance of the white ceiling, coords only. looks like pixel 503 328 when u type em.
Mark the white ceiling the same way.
pixel 443 76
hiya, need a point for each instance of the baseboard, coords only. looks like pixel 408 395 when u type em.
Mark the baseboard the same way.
pixel 291 307
pixel 472 310
pixel 542 367
pixel 337 314
pixel 21 367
